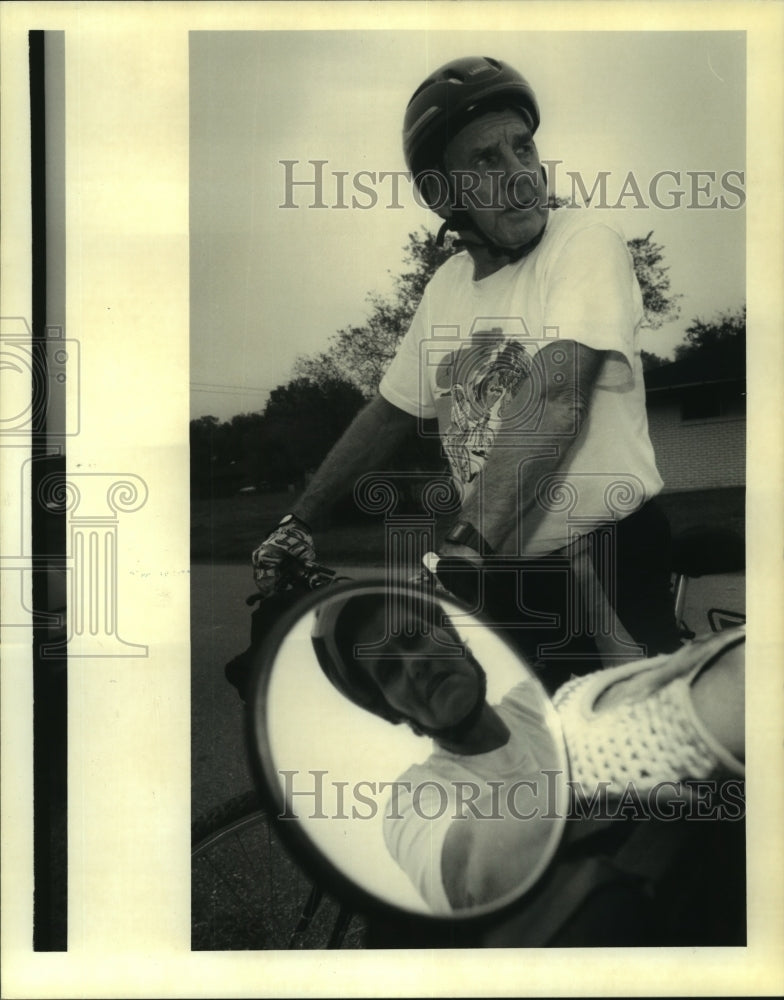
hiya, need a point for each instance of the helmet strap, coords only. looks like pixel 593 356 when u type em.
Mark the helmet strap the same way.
pixel 461 223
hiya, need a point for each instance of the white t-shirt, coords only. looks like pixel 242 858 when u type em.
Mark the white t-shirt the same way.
pixel 416 825
pixel 468 351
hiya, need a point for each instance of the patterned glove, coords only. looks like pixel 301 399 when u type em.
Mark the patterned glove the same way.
pixel 291 538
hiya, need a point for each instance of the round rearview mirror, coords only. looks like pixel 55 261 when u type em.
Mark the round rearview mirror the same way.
pixel 412 759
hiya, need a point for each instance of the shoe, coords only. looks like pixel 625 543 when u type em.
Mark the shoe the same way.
pixel 636 724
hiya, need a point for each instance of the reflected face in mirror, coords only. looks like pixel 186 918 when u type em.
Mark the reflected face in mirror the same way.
pixel 397 731
pixel 413 673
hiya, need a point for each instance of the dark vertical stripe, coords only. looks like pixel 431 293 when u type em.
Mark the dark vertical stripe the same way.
pixel 49 706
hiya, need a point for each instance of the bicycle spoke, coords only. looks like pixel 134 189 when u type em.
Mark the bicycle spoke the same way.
pixel 247 893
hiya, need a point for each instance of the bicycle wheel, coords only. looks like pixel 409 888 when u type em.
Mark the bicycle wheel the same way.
pixel 247 892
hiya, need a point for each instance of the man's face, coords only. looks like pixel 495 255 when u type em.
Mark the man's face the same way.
pixel 499 164
pixel 417 675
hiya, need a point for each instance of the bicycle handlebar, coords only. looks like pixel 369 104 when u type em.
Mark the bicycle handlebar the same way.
pixel 298 574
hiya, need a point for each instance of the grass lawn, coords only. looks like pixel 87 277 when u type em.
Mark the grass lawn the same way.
pixel 229 528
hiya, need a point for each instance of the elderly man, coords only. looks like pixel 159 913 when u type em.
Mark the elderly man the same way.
pixel 525 349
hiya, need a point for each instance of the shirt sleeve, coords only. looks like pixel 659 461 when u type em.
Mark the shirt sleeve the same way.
pixel 415 837
pixel 524 705
pixel 592 297
pixel 405 384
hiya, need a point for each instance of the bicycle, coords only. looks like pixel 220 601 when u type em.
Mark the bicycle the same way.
pixel 248 893
pixel 699 552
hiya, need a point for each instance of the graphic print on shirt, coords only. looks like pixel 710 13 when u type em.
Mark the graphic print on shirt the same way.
pixel 479 381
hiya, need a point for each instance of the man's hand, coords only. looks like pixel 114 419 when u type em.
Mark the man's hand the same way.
pixel 291 538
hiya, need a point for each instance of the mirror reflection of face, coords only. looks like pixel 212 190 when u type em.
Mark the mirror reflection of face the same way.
pixel 369 778
pixel 417 677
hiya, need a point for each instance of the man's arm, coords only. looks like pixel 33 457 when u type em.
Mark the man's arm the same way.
pixel 559 394
pixel 374 434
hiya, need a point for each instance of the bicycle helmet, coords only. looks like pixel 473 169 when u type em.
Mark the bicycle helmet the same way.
pixel 333 643
pixel 453 96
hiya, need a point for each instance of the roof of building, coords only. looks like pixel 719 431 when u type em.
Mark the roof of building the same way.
pixel 701 368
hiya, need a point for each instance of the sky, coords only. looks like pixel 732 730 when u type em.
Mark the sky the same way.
pixel 270 284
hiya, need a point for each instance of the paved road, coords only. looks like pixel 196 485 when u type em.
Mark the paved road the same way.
pixel 220 624
pixel 220 629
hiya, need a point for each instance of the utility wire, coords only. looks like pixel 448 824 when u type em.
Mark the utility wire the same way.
pixel 219 387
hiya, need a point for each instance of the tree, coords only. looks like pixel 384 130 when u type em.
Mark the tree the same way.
pixel 203 449
pixel 658 301
pixel 222 454
pixel 301 422
pixel 724 334
pixel 361 354
pixel 651 360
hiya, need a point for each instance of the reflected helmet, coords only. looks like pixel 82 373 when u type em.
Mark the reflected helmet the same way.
pixel 453 96
pixel 332 636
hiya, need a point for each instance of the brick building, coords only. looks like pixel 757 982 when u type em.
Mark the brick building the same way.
pixel 697 420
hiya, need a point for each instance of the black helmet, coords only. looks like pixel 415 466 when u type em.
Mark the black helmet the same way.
pixel 451 97
pixel 333 641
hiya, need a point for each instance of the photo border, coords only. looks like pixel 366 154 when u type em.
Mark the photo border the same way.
pixel 129 767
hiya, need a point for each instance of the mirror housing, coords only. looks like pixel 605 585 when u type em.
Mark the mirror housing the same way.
pixel 313 748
